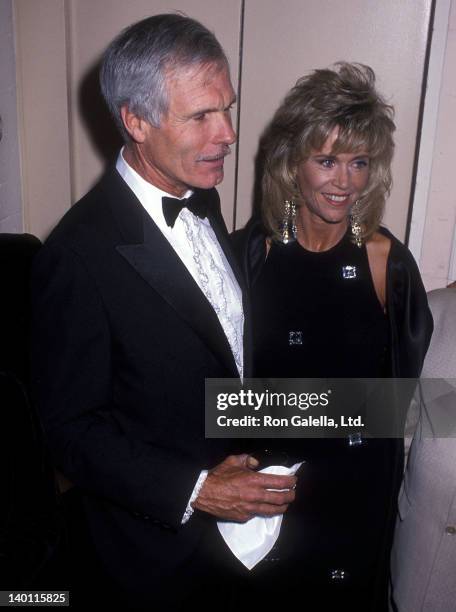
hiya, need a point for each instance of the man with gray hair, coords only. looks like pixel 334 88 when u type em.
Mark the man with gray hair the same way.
pixel 137 299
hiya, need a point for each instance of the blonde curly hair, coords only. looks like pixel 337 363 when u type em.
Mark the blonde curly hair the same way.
pixel 344 97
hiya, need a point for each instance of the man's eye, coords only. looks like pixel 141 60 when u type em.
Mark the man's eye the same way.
pixel 199 117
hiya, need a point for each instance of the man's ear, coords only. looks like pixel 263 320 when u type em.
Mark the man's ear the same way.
pixel 135 126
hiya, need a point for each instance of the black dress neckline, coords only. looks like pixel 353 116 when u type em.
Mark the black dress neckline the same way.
pixel 345 237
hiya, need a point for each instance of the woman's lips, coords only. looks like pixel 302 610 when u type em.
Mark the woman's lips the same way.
pixel 337 200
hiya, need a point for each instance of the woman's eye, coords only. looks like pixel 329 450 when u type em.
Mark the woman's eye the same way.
pixel 327 163
pixel 361 163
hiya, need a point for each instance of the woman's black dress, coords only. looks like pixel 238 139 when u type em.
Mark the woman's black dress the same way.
pixel 317 315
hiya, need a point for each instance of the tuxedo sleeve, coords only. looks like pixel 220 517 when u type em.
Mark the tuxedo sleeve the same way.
pixel 72 370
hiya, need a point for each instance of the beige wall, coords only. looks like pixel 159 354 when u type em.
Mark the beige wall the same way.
pixel 10 173
pixel 43 112
pixel 65 144
pixel 67 137
pixel 438 249
pixel 284 40
pixel 91 31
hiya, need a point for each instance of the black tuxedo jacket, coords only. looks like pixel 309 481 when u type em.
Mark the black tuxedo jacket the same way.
pixel 123 339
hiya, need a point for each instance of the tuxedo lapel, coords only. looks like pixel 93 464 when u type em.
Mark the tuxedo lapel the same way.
pixel 218 225
pixel 153 258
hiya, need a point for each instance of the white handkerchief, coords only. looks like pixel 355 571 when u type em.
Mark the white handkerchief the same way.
pixel 250 542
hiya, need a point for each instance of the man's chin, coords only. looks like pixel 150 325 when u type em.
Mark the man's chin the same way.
pixel 210 181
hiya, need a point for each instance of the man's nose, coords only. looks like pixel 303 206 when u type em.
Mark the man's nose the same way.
pixel 342 176
pixel 225 131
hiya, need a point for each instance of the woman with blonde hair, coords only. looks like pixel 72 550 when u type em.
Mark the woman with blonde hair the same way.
pixel 336 295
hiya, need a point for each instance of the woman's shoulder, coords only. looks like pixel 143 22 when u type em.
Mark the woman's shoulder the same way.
pixel 402 269
pixel 398 252
pixel 380 243
pixel 390 262
pixel 378 248
pixel 384 236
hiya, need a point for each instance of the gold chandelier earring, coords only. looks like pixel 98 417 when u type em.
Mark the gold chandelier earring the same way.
pixel 355 224
pixel 289 230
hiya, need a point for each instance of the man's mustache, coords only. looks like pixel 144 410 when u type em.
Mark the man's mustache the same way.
pixel 223 153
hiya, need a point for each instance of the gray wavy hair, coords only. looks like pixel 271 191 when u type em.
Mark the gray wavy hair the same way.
pixel 134 67
pixel 343 97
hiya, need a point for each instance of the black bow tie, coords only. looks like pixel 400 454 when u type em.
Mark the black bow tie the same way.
pixel 173 206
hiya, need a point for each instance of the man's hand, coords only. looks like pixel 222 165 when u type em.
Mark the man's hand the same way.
pixel 233 491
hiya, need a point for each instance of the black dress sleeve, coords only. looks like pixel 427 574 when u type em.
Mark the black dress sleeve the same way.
pixel 411 323
pixel 249 246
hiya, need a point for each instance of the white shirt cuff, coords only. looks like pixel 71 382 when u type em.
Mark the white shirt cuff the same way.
pixel 199 484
